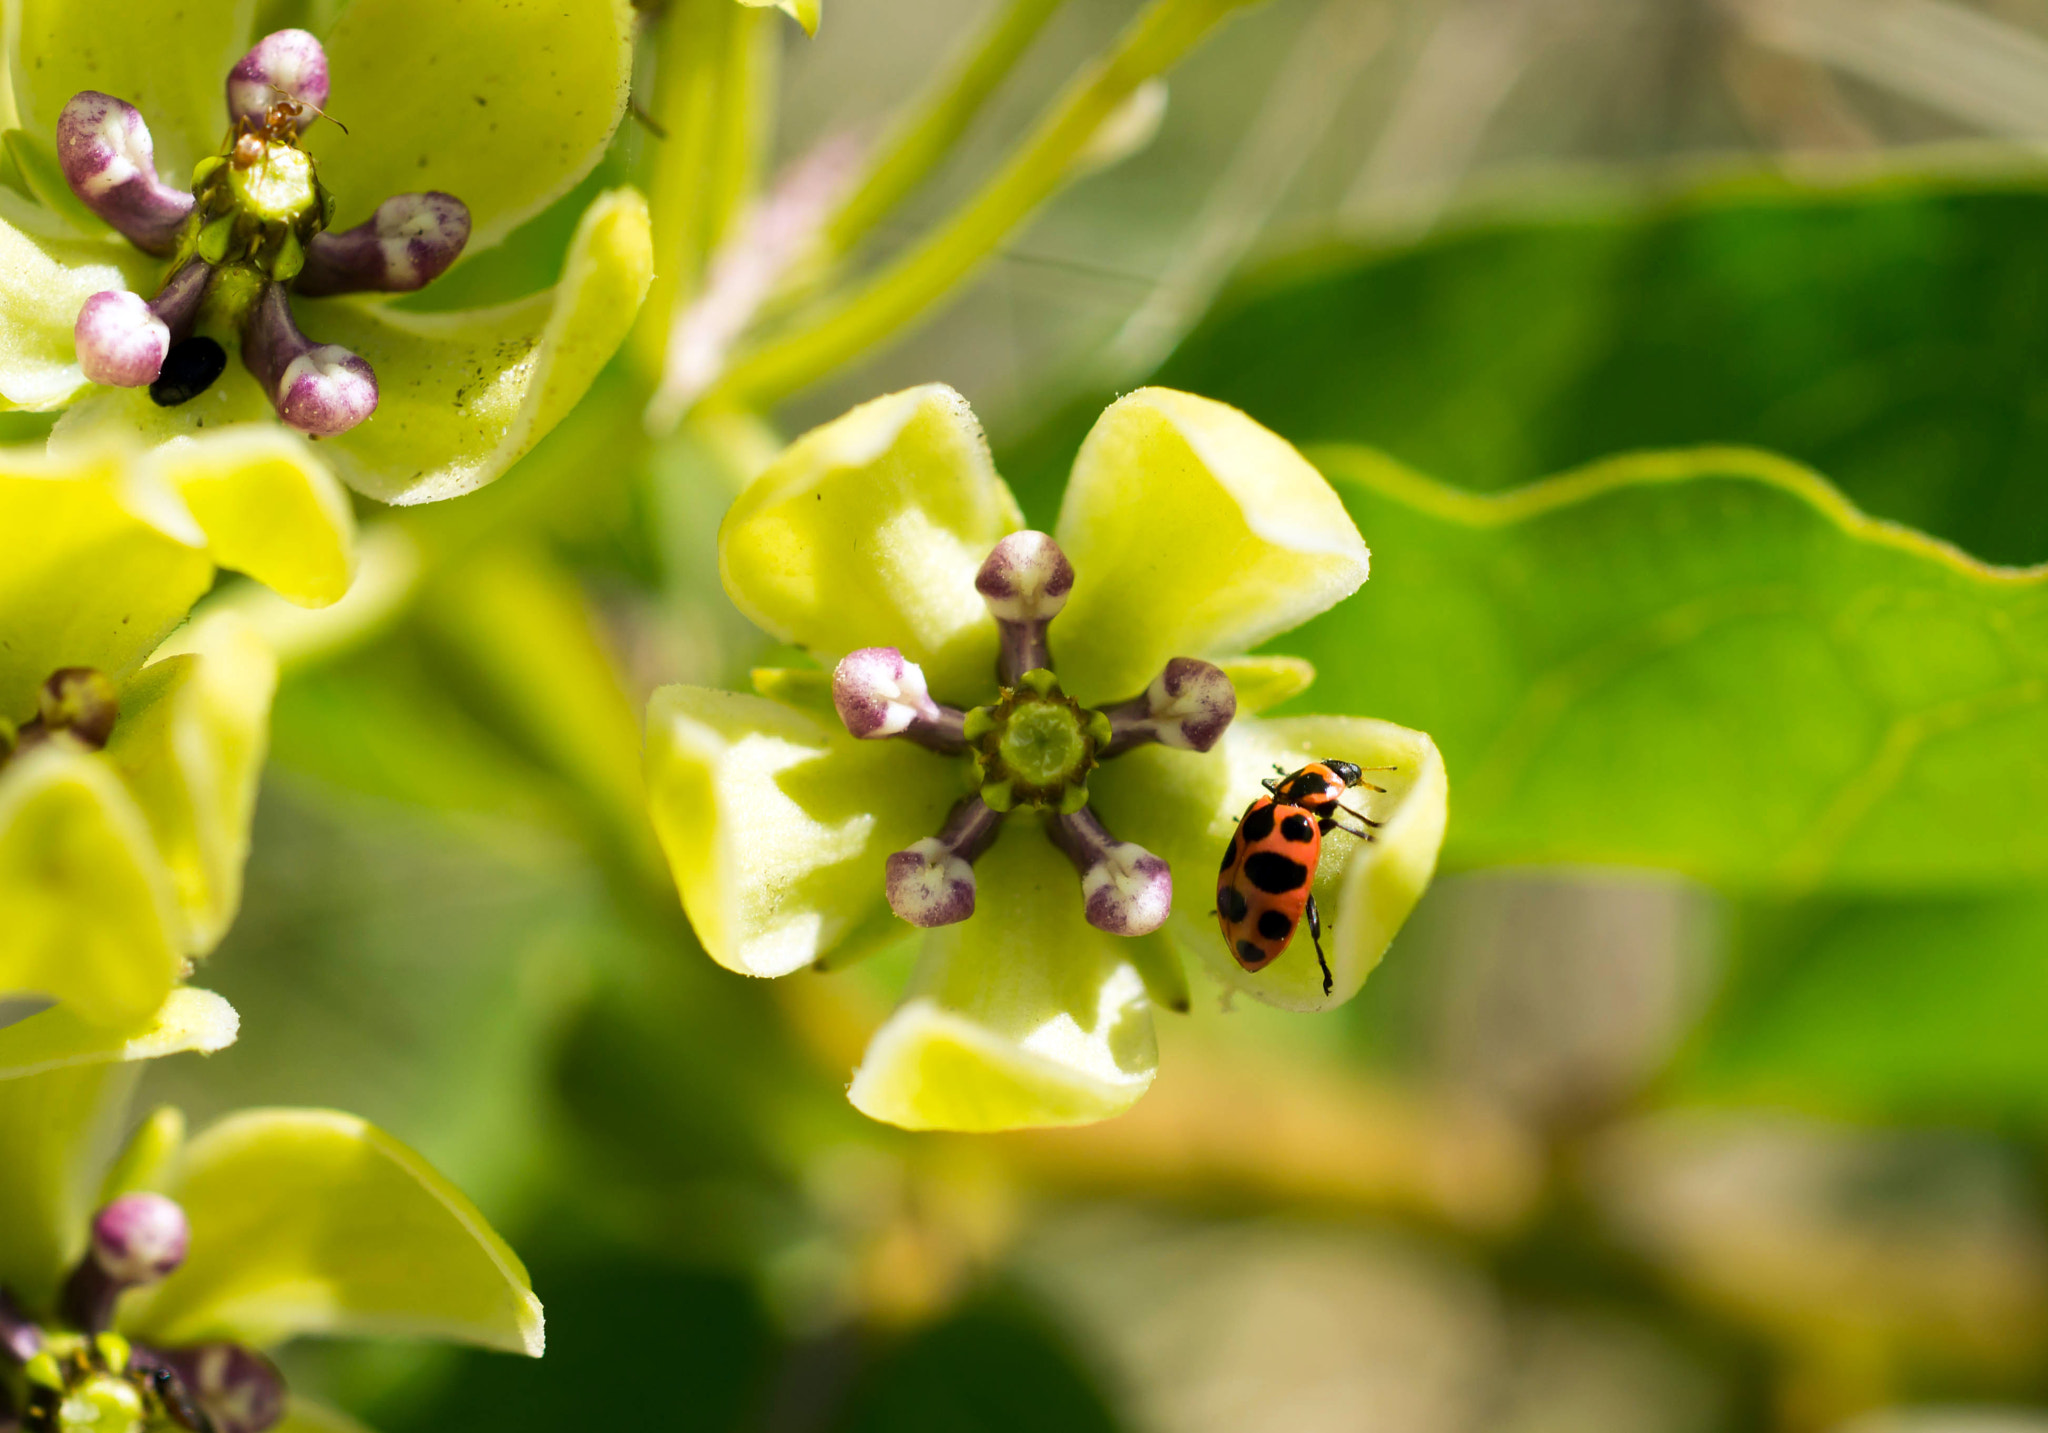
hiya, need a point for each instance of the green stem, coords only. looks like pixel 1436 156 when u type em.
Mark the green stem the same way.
pixel 903 290
pixel 927 133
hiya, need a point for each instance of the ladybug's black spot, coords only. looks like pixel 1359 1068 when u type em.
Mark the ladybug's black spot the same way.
pixel 189 370
pixel 1274 925
pixel 1229 855
pixel 1230 904
pixel 1250 954
pixel 1273 873
pixel 1258 824
pixel 1297 827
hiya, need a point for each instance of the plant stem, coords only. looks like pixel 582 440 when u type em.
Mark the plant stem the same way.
pixel 926 134
pixel 871 312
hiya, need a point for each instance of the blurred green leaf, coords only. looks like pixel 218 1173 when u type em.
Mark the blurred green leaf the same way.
pixel 1893 335
pixel 1702 660
pixel 996 1366
pixel 1905 1008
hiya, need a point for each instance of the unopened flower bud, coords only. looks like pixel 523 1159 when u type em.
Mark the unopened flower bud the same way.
pixel 408 243
pixel 284 65
pixel 104 149
pixel 139 1238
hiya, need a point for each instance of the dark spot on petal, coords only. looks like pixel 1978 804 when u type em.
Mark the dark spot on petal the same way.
pixel 1250 954
pixel 1274 925
pixel 1273 873
pixel 1258 823
pixel 1297 827
pixel 1230 904
pixel 190 368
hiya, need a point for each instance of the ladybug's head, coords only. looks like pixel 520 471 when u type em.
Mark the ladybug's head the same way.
pixel 1344 771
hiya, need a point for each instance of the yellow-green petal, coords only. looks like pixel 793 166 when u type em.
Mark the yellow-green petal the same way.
pixel 190 745
pixel 1185 805
pixel 1021 1016
pixel 804 12
pixel 313 1221
pixel 91 913
pixel 777 827
pixel 170 64
pixel 503 103
pixel 462 396
pixel 104 548
pixel 867 532
pixel 64 1088
pixel 44 281
pixel 307 1415
pixel 1192 531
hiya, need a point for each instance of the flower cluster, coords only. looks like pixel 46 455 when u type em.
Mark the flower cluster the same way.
pixel 896 788
pixel 346 172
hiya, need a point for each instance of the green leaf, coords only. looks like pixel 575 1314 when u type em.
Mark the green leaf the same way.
pixel 1885 333
pixel 312 1221
pixel 63 1089
pixel 804 12
pixel 1925 1009
pixel 503 103
pixel 1705 660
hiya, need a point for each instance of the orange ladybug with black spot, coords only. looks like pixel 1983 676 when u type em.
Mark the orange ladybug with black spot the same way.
pixel 1262 892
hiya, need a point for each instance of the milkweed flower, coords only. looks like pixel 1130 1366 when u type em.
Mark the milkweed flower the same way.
pixel 354 168
pixel 1032 746
pixel 148 1294
pixel 129 756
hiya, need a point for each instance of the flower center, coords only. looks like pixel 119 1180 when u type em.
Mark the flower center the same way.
pixel 260 200
pixel 1036 745
pixel 88 1385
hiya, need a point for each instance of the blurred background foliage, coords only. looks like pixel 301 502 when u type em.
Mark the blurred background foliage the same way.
pixel 1708 1090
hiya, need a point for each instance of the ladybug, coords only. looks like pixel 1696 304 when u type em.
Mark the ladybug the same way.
pixel 1262 893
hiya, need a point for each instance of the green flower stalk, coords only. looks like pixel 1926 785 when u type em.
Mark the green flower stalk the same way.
pixel 147 1295
pixel 1033 746
pixel 129 754
pixel 278 225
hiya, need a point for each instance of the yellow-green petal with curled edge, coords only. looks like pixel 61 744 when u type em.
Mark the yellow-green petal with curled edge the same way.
pixel 1019 1017
pixel 170 64
pixel 104 547
pixel 777 827
pixel 190 742
pixel 463 396
pixel 1192 531
pixel 1264 682
pixel 804 12
pixel 317 1222
pixel 867 532
pixel 91 913
pixel 64 1087
pixel 1184 807
pixel 57 1039
pixel 43 284
pixel 503 103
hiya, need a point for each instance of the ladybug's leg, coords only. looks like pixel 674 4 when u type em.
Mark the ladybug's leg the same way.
pixel 1315 933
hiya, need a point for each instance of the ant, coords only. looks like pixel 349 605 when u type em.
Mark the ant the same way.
pixel 279 125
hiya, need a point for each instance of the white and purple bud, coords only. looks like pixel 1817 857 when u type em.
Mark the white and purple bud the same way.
pixel 1188 706
pixel 319 389
pixel 122 339
pixel 1126 890
pixel 284 65
pixel 408 243
pixel 140 1238
pixel 104 148
pixel 879 692
pixel 931 883
pixel 239 1389
pixel 1025 581
pixel 136 1240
